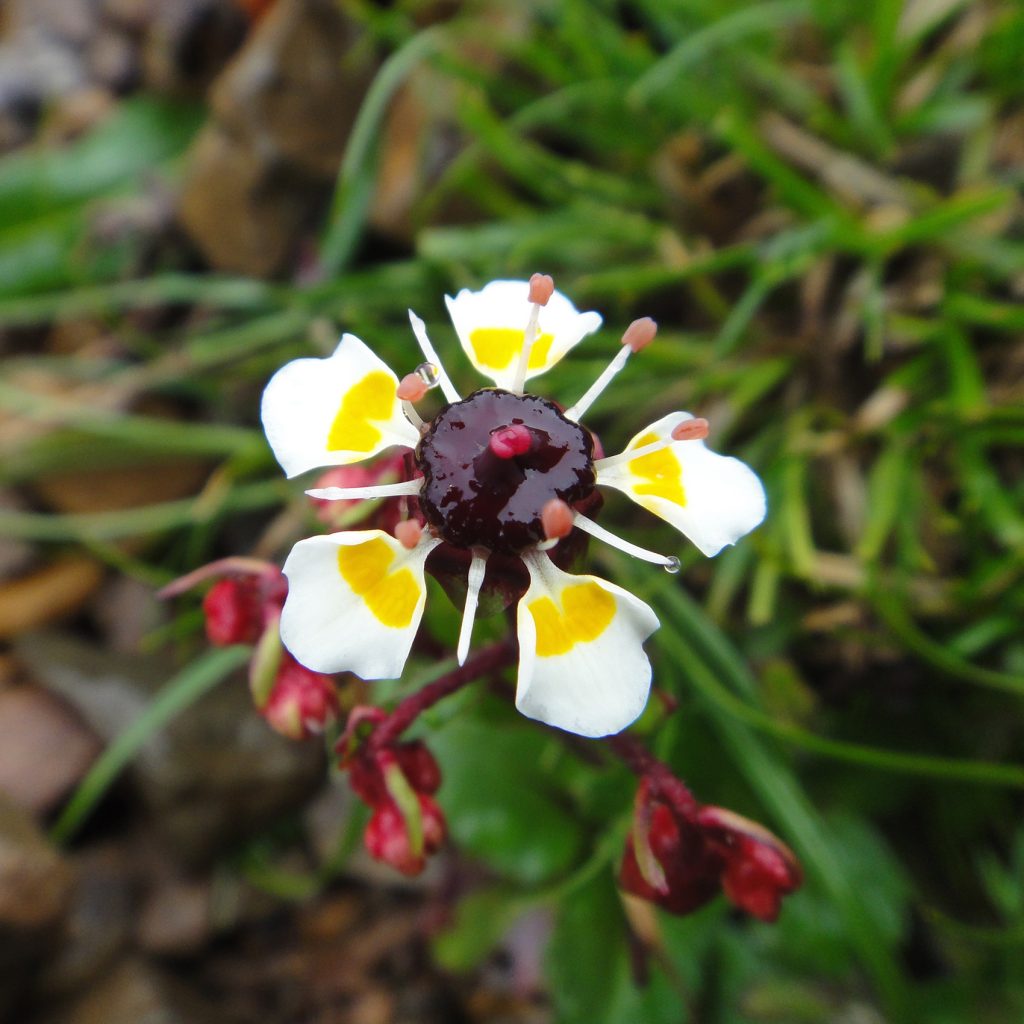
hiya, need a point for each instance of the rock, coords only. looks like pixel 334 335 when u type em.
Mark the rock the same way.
pixel 135 993
pixel 176 918
pixel 35 887
pixel 98 924
pixel 46 749
pixel 245 213
pixel 187 42
pixel 217 773
pixel 282 112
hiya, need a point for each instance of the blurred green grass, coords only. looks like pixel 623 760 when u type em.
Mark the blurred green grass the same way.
pixel 820 203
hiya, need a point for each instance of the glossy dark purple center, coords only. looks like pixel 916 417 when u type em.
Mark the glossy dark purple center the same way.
pixel 473 497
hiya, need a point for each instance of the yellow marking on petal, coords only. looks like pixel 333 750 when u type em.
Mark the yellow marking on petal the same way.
pixel 586 612
pixel 391 596
pixel 661 472
pixel 373 398
pixel 496 347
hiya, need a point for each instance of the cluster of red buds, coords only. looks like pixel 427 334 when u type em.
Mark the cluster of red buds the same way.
pixel 397 781
pixel 681 854
pixel 383 513
pixel 244 607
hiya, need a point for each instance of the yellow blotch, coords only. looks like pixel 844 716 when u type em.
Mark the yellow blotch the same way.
pixel 373 398
pixel 391 596
pixel 496 347
pixel 660 473
pixel 586 612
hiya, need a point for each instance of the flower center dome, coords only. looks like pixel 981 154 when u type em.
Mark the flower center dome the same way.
pixel 492 462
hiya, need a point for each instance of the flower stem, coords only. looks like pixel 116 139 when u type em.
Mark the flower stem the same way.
pixel 642 762
pixel 488 660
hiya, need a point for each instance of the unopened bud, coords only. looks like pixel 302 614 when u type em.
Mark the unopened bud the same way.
pixel 691 430
pixel 557 519
pixel 640 333
pixel 301 703
pixel 408 533
pixel 238 608
pixel 387 835
pixel 412 388
pixel 759 870
pixel 542 287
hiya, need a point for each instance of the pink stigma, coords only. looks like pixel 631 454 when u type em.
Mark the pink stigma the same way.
pixel 508 442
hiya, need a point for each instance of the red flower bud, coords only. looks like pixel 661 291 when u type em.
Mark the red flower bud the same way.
pixel 690 866
pixel 301 702
pixel 419 767
pixel 387 835
pixel 344 513
pixel 237 608
pixel 759 868
pixel 700 851
pixel 366 765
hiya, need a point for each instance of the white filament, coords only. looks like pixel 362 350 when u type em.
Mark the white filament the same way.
pixel 633 453
pixel 374 491
pixel 477 569
pixel 529 336
pixel 595 389
pixel 419 328
pixel 589 526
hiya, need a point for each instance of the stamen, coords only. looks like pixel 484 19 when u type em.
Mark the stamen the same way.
pixel 477 570
pixel 413 416
pixel 691 430
pixel 557 518
pixel 638 335
pixel 375 491
pixel 508 442
pixel 408 533
pixel 589 526
pixel 632 453
pixel 419 329
pixel 542 287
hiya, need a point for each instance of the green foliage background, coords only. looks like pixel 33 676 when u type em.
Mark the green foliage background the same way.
pixel 843 305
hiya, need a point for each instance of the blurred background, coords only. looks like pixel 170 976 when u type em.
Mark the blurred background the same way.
pixel 819 202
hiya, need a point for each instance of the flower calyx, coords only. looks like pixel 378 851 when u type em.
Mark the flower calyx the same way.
pixel 397 780
pixel 680 855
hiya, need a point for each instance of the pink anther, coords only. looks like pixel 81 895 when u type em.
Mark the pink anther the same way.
pixel 412 388
pixel 691 430
pixel 542 287
pixel 640 333
pixel 508 442
pixel 408 533
pixel 557 519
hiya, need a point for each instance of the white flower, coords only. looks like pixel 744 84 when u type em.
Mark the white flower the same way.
pixel 502 472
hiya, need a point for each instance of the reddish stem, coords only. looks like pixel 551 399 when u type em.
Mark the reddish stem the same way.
pixel 642 762
pixel 488 660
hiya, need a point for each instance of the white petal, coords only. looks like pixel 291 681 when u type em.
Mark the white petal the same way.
pixel 712 499
pixel 334 411
pixel 490 324
pixel 582 665
pixel 355 600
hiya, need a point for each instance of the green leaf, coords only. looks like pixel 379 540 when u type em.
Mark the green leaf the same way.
pixel 481 920
pixel 588 966
pixel 500 798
